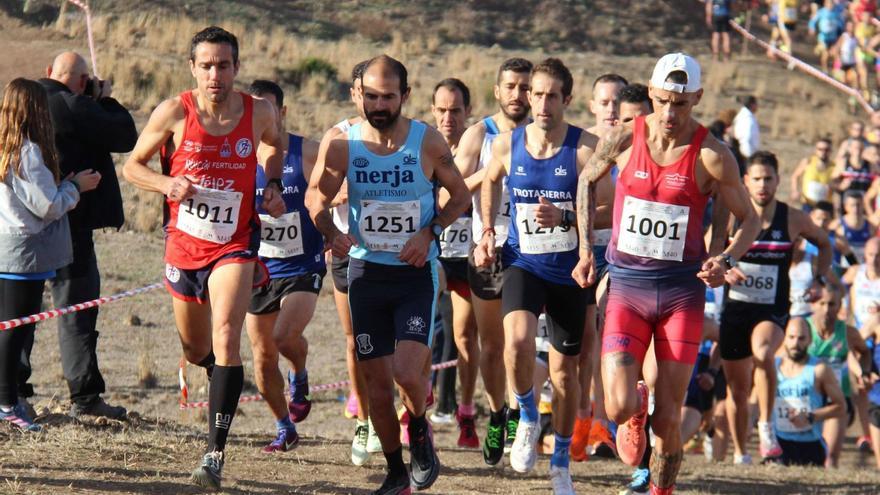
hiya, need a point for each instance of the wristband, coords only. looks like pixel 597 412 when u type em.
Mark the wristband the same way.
pixel 76 185
pixel 811 418
pixel 277 183
pixel 852 259
pixel 487 230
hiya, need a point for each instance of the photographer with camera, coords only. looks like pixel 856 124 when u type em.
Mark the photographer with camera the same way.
pixel 89 125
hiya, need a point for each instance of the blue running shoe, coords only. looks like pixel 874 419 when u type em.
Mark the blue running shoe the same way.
pixel 640 483
pixel 20 418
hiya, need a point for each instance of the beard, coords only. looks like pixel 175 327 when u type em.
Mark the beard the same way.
pixel 382 119
pixel 797 355
pixel 519 116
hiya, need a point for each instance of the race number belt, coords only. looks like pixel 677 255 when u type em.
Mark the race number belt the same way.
pixel 281 237
pixel 388 225
pixel 210 214
pixel 653 230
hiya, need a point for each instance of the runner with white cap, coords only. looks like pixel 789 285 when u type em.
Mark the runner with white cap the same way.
pixel 669 167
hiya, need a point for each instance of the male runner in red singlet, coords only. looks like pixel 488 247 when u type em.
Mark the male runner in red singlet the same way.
pixel 208 139
pixel 669 167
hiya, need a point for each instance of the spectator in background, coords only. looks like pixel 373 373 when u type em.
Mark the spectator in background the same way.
pixel 34 232
pixel 718 14
pixel 89 125
pixel 746 129
pixel 827 25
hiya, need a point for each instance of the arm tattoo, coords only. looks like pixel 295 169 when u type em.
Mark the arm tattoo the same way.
pixel 586 211
pixel 665 467
pixel 447 160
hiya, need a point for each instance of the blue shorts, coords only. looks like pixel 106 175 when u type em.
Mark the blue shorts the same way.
pixel 390 303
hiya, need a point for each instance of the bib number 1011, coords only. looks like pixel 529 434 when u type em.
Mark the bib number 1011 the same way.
pixel 213 214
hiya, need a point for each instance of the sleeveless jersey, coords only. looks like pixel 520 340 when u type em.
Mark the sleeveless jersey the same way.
pixel 800 277
pixel 765 266
pixel 658 211
pixel 788 11
pixel 832 351
pixel 793 396
pixel 502 215
pixel 548 253
pixel 867 294
pixel 389 197
pixel 290 245
pixel 720 8
pixel 874 393
pixel 340 212
pixel 816 181
pixel 861 176
pixel 221 217
pixel 857 237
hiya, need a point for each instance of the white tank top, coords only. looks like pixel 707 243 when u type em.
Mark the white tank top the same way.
pixel 340 212
pixel 867 294
pixel 502 215
pixel 801 276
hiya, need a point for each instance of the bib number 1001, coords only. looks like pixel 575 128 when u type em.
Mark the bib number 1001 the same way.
pixel 649 226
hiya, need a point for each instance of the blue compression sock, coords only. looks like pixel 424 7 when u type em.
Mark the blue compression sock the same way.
pixel 528 410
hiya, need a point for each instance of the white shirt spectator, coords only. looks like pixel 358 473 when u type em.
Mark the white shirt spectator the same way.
pixel 747 132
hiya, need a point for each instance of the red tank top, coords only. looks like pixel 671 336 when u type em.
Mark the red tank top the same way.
pixel 658 210
pixel 221 218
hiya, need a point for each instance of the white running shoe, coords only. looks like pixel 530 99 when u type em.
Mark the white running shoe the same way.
pixel 524 451
pixel 742 460
pixel 560 478
pixel 768 445
pixel 359 452
pixel 442 418
pixel 374 445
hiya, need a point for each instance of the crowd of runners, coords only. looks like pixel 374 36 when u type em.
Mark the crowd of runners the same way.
pixel 629 289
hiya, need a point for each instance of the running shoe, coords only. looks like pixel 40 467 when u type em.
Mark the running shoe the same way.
pixel 512 425
pixel 442 418
pixel 639 483
pixel 708 448
pixel 631 437
pixel 467 436
pixel 524 452
pixel 300 401
pixel 424 465
pixel 286 440
pixel 394 485
pixel 351 406
pixel 359 452
pixel 493 444
pixel 602 441
pixel 98 408
pixel 580 439
pixel 767 444
pixel 19 416
pixel 742 460
pixel 560 479
pixel 863 443
pixel 374 445
pixel 207 475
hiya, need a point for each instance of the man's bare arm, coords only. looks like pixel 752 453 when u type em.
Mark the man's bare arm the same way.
pixel 491 187
pixel 271 138
pixel 721 166
pixel 156 134
pixel 326 180
pixel 467 157
pixel 449 178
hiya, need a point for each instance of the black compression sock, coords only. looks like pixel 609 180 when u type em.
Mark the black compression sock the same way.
pixel 417 425
pixel 223 396
pixel 498 417
pixel 208 363
pixel 396 467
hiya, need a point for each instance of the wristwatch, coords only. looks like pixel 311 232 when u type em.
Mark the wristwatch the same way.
pixel 436 229
pixel 568 218
pixel 728 260
pixel 811 418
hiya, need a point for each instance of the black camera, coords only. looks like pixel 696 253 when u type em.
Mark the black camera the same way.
pixel 94 87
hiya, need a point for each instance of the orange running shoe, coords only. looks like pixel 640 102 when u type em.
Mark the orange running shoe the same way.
pixel 580 439
pixel 631 438
pixel 599 436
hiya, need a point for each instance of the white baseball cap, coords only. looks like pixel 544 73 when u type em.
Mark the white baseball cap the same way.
pixel 673 62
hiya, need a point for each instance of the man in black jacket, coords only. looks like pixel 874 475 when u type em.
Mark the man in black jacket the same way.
pixel 88 127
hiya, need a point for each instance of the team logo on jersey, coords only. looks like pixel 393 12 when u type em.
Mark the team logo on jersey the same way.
pixel 560 171
pixel 288 169
pixel 520 170
pixel 360 162
pixel 244 147
pixel 676 181
pixel 172 273
pixel 225 149
pixel 364 345
pixel 641 174
pixel 776 235
pixel 409 159
pixel 415 325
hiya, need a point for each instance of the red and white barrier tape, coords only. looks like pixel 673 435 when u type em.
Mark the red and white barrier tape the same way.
pixel 804 67
pixel 54 313
pixel 84 5
pixel 318 388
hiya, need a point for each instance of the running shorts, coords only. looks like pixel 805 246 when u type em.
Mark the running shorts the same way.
pixel 565 306
pixel 339 270
pixel 737 324
pixel 669 309
pixel 697 398
pixel 456 270
pixel 802 453
pixel 267 299
pixel 485 283
pixel 192 285
pixel 721 24
pixel 390 303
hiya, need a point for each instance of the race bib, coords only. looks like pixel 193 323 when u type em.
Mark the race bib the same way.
pixel 542 335
pixel 387 225
pixel 210 214
pixel 760 284
pixel 816 191
pixel 502 218
pixel 281 237
pixel 601 237
pixel 534 239
pixel 789 14
pixel 455 241
pixel 653 230
pixel 789 407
